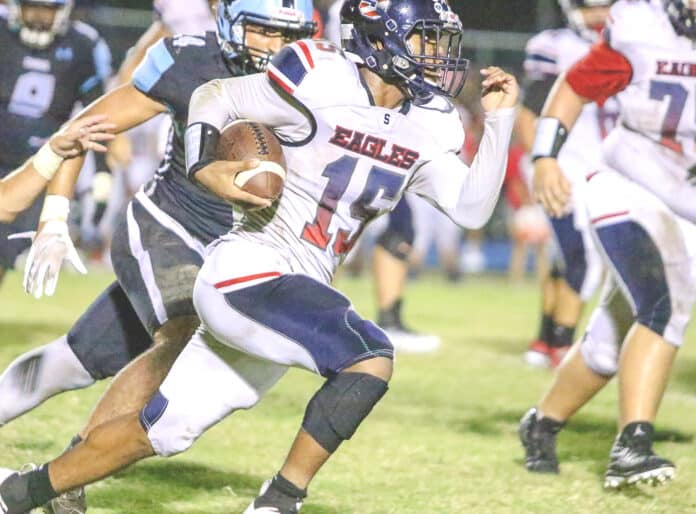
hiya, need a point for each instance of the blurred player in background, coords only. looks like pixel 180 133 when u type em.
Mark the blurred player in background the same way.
pixel 158 245
pixel 643 216
pixel 577 276
pixel 48 65
pixel 264 288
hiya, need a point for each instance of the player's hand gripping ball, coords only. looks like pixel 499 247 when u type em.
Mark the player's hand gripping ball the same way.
pixel 244 140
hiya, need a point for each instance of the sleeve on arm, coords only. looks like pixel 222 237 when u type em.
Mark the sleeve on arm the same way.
pixel 469 195
pixel 602 73
pixel 150 76
pixel 252 97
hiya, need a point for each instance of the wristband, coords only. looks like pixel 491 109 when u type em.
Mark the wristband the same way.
pixel 55 207
pixel 46 162
pixel 201 147
pixel 550 137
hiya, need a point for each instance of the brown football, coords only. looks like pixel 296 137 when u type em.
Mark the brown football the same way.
pixel 242 140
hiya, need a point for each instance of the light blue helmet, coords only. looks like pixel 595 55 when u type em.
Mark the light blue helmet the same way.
pixel 40 37
pixel 291 17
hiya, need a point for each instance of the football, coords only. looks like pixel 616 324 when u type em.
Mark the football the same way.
pixel 242 140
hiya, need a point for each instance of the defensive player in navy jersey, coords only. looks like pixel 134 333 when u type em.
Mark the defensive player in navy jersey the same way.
pixel 385 126
pixel 47 65
pixel 158 246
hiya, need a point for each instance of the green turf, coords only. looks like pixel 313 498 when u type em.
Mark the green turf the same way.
pixel 442 441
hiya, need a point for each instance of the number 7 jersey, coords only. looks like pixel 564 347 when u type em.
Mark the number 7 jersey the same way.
pixel 348 161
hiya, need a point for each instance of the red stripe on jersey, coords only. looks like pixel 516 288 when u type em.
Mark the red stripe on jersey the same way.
pixel 279 82
pixel 305 50
pixel 248 278
pixel 611 215
pixel 591 175
pixel 602 73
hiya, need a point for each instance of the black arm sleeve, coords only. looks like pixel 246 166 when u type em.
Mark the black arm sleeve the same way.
pixel 536 92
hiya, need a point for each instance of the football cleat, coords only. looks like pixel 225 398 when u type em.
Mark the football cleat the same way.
pixel 71 502
pixel 538 437
pixel 272 501
pixel 538 354
pixel 632 460
pixel 4 475
pixel 408 341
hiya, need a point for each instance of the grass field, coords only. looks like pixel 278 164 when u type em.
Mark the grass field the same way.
pixel 442 441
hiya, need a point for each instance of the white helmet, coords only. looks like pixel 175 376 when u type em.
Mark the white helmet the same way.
pixel 40 38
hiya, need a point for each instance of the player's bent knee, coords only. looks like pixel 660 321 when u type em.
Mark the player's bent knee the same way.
pixel 337 409
pixel 170 438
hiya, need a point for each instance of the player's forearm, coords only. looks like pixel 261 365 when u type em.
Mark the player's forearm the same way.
pixel 481 188
pixel 563 103
pixel 19 190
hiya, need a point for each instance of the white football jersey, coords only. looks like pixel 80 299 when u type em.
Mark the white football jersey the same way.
pixel 552 52
pixel 659 103
pixel 349 161
pixel 185 16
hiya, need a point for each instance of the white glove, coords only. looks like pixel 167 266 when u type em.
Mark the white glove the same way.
pixel 51 246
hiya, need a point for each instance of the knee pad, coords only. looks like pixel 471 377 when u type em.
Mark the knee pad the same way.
pixel 600 344
pixel 337 409
pixel 639 267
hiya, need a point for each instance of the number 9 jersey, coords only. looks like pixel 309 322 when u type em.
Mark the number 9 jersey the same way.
pixel 348 161
pixel 40 87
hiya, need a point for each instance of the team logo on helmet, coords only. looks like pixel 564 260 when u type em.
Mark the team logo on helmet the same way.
pixel 368 8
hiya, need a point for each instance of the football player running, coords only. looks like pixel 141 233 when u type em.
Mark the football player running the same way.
pixel 643 217
pixel 49 64
pixel 158 245
pixel 575 280
pixel 385 125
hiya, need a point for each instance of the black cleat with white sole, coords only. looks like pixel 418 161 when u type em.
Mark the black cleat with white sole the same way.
pixel 278 496
pixel 538 436
pixel 632 460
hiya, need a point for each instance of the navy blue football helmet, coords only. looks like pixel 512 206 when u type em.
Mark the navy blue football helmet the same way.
pixel 291 17
pixel 682 18
pixel 573 14
pixel 414 44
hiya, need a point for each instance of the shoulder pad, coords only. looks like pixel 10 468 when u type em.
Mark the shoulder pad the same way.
pixel 541 53
pixel 316 65
pixel 442 120
pixel 86 30
pixel 630 20
pixel 157 61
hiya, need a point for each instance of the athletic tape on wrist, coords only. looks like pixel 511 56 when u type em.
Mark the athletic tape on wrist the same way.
pixel 55 207
pixel 549 139
pixel 46 162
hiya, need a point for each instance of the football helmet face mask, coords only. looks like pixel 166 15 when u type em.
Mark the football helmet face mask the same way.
pixel 573 12
pixel 289 19
pixel 415 44
pixel 35 35
pixel 682 15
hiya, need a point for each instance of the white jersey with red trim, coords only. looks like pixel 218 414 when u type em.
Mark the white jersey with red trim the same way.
pixel 348 161
pixel 660 101
pixel 551 53
pixel 185 16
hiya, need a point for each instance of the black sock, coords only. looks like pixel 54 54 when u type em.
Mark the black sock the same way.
pixel 546 329
pixel 285 486
pixel 562 336
pixel 23 492
pixel 391 316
